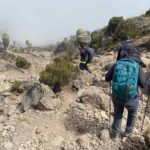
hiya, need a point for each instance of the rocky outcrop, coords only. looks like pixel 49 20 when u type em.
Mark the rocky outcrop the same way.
pixel 41 97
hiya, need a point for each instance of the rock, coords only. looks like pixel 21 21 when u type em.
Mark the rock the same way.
pixel 85 118
pixel 8 145
pixel 133 142
pixel 56 143
pixel 147 137
pixel 84 141
pixel 40 97
pixel 108 66
pixel 7 94
pixel 145 62
pixel 96 98
pixel 85 78
pixel 104 135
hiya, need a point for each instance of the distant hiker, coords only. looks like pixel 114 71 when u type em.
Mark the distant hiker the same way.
pixel 126 75
pixel 86 53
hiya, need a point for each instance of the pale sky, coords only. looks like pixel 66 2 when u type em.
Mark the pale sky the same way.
pixel 47 21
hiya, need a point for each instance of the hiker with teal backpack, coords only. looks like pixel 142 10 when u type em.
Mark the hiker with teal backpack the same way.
pixel 86 53
pixel 126 74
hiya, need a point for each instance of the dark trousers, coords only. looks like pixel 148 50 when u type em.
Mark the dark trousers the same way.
pixel 84 67
pixel 132 107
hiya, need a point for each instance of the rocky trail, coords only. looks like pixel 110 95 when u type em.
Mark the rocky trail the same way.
pixel 70 120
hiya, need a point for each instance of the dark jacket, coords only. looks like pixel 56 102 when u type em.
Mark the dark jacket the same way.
pixel 87 55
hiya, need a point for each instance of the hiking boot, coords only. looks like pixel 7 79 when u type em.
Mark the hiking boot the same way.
pixel 126 134
pixel 114 136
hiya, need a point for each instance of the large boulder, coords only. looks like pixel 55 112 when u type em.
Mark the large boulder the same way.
pixel 41 97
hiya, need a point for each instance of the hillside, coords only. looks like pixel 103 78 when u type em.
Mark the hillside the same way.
pixel 78 117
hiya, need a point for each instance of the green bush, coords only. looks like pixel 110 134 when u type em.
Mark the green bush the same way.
pixel 145 31
pixel 147 13
pixel 59 74
pixel 124 29
pixel 21 62
pixel 119 28
pixel 15 85
pixel 112 25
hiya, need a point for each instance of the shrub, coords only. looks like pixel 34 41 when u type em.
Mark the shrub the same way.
pixel 58 74
pixel 8 56
pixel 124 29
pixel 96 38
pixel 112 25
pixel 21 62
pixel 147 13
pixel 67 46
pixel 15 86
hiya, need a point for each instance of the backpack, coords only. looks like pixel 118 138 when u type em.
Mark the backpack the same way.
pixel 125 79
pixel 90 52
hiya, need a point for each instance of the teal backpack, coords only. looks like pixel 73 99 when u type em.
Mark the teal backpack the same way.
pixel 125 79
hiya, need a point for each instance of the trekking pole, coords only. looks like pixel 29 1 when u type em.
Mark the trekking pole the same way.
pixel 110 106
pixel 145 112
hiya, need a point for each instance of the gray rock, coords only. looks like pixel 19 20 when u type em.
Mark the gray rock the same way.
pixel 40 97
pixel 96 98
pixel 104 135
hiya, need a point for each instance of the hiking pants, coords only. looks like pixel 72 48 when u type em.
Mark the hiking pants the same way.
pixel 132 107
pixel 83 66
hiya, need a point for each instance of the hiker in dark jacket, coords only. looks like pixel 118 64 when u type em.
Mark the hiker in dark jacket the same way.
pixel 83 39
pixel 86 54
pixel 131 104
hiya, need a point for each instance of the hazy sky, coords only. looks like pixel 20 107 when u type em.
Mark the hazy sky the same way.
pixel 47 21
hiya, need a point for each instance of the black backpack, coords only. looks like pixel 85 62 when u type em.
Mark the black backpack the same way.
pixel 130 51
pixel 90 54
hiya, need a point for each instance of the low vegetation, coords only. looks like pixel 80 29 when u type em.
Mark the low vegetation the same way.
pixel 21 62
pixel 59 74
pixel 15 85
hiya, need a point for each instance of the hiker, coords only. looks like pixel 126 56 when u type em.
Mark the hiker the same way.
pixel 128 47
pixel 86 53
pixel 126 74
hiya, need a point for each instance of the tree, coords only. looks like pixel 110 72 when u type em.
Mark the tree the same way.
pixel 28 43
pixel 5 39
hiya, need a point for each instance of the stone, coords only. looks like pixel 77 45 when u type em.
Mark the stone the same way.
pixel 108 66
pixel 145 62
pixel 8 145
pixel 40 97
pixel 104 135
pixel 104 115
pixel 147 137
pixel 84 141
pixel 5 94
pixel 56 143
pixel 96 98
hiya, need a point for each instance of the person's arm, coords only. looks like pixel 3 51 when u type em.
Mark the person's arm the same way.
pixel 109 74
pixel 143 81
